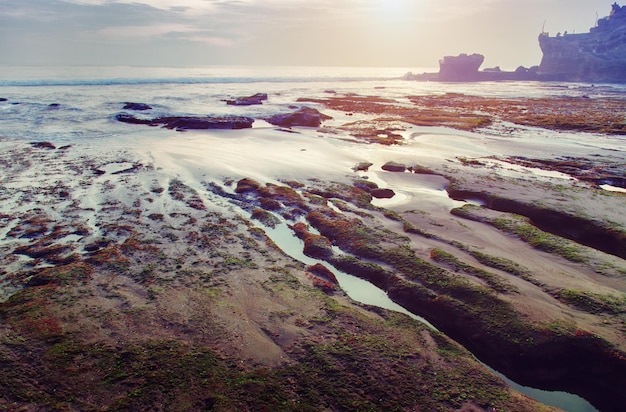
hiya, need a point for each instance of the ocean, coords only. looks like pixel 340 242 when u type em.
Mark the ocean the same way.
pixel 61 104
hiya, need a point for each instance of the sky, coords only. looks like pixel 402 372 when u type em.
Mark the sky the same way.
pixel 387 33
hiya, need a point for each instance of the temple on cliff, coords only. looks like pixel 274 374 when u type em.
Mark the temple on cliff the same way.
pixel 597 56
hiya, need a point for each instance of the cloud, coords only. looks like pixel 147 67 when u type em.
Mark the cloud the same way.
pixel 281 31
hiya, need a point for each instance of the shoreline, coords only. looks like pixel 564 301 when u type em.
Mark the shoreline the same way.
pixel 69 217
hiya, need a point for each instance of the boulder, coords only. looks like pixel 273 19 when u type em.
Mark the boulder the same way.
pixel 394 167
pixel 249 100
pixel 306 116
pixel 136 106
pixel 382 193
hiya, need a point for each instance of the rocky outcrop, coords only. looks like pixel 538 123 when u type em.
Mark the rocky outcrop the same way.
pixel 306 116
pixel 323 272
pixel 581 363
pixel 460 68
pixel 465 68
pixel 182 123
pixel 587 232
pixel 248 101
pixel 597 56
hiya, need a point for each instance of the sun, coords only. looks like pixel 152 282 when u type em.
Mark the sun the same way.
pixel 395 10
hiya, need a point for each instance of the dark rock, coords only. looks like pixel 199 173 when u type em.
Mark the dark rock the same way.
pixel 249 100
pixel 190 122
pixel 382 193
pixel 202 123
pixel 597 56
pixel 129 118
pixel 394 167
pixel 136 106
pixel 38 280
pixel 304 117
pixel 43 145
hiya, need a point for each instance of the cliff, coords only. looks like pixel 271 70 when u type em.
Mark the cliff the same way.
pixel 597 56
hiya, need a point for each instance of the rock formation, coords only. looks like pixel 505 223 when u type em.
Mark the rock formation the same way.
pixel 465 68
pixel 460 68
pixel 597 56
pixel 248 100
pixel 182 123
pixel 306 116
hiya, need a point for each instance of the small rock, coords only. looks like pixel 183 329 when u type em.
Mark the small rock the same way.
pixel 43 145
pixel 382 193
pixel 394 167
pixel 136 106
pixel 362 167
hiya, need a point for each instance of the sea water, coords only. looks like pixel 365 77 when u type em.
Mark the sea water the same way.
pixel 67 104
